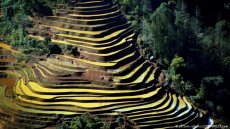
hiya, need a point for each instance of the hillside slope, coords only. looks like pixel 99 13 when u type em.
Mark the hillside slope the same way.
pixel 107 77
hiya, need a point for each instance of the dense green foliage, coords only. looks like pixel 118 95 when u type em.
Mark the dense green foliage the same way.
pixel 88 121
pixel 199 36
pixel 200 39
pixel 85 121
pixel 15 20
pixel 160 27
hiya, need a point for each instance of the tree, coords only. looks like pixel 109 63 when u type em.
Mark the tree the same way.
pixel 85 121
pixel 178 83
pixel 177 63
pixel 158 32
pixel 216 48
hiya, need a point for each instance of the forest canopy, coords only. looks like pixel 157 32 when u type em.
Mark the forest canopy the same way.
pixel 191 40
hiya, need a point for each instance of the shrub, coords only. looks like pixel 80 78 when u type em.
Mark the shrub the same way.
pixel 85 121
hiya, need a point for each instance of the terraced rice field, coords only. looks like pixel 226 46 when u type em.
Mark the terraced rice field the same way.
pixel 111 79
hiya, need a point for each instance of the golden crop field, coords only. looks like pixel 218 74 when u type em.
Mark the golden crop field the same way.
pixel 109 77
